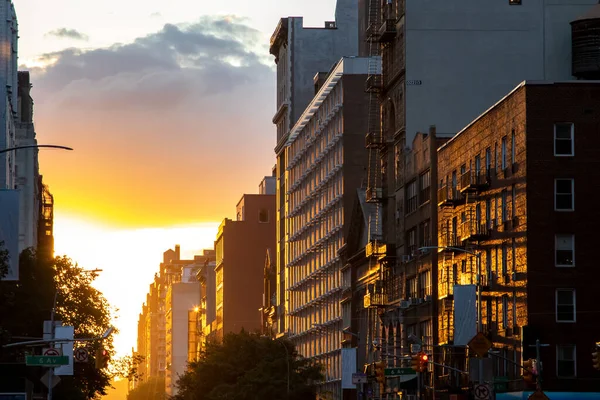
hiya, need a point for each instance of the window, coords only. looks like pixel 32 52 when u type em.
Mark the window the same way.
pixel 425 282
pixel 564 143
pixel 504 311
pixel 565 250
pixel 411 241
pixel 565 361
pixel 514 2
pixel 503 153
pixel 565 305
pixel 263 216
pixel 425 234
pixel 513 202
pixel 513 147
pixel 564 190
pixel 504 259
pixel 411 197
pixel 488 160
pixel 425 187
pixel 504 206
pixel 412 288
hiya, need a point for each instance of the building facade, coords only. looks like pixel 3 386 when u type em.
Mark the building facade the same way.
pixel 513 200
pixel 326 164
pixel 301 53
pixel 240 249
pixel 27 167
pixel 9 33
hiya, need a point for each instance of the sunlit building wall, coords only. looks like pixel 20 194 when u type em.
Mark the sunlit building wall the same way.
pixel 182 296
pixel 326 164
pixel 300 53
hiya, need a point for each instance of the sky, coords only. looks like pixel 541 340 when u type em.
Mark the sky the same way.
pixel 168 107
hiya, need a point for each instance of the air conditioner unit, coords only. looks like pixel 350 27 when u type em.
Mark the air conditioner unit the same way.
pixel 428 298
pixel 414 301
pixel 404 303
pixel 420 301
pixel 405 258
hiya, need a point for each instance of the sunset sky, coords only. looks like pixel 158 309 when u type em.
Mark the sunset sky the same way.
pixel 168 106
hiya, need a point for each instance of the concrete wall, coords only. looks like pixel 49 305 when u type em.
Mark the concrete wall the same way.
pixel 469 54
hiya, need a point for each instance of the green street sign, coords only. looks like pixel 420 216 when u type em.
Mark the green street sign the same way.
pixel 46 361
pixel 399 371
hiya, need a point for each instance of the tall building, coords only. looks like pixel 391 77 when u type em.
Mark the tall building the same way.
pixel 444 64
pixel 326 164
pixel 516 206
pixel 27 167
pixel 240 249
pixel 181 308
pixel 205 313
pixel 300 53
pixel 8 94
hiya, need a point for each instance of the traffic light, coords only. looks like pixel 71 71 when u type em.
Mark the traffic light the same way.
pixel 380 371
pixel 102 358
pixel 423 361
pixel 415 362
pixel 529 371
pixel 596 357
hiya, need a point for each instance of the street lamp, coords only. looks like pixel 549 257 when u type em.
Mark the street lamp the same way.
pixel 35 146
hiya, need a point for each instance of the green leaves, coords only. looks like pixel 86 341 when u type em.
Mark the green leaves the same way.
pixel 249 367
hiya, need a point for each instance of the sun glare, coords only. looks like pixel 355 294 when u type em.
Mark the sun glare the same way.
pixel 128 260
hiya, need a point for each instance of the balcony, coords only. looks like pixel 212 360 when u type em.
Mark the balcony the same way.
pixel 374 194
pixel 374 140
pixel 374 83
pixel 473 182
pixel 449 197
pixel 475 231
pixel 387 31
pixel 450 242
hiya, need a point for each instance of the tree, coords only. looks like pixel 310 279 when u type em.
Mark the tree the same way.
pixel 248 366
pixel 3 260
pixel 29 302
pixel 152 389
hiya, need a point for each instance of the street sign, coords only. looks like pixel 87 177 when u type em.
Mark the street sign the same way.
pixel 399 371
pixel 359 377
pixel 480 345
pixel 46 380
pixel 538 395
pixel 415 348
pixel 482 392
pixel 52 351
pixel 81 355
pixel 46 361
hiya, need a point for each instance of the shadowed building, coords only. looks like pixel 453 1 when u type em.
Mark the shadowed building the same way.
pixel 240 258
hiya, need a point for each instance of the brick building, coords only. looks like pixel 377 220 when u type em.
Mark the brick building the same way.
pixel 516 192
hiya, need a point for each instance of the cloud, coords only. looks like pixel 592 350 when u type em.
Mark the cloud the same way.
pixel 170 128
pixel 66 33
pixel 155 15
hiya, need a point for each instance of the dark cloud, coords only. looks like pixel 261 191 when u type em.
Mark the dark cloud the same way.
pixel 175 125
pixel 210 56
pixel 68 34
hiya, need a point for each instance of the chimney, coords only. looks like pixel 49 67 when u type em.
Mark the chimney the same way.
pixel 177 252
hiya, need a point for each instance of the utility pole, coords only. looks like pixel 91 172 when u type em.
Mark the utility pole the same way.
pixel 52 333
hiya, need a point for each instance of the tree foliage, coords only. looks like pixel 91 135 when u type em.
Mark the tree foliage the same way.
pixel 152 389
pixel 248 366
pixel 4 258
pixel 29 302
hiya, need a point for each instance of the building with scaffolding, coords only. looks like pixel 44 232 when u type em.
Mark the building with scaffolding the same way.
pixel 300 53
pixel 326 165
pixel 508 220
